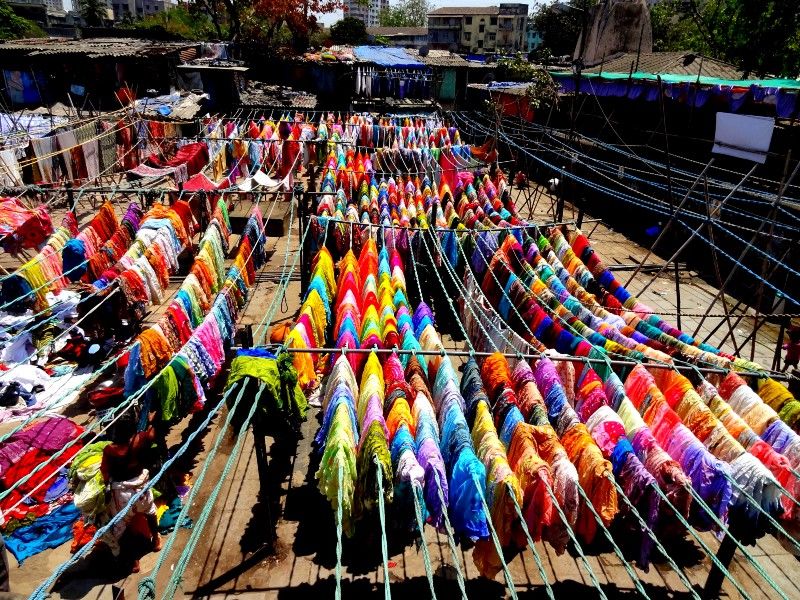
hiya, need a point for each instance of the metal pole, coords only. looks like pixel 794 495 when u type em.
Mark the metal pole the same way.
pixel 725 554
pixel 773 209
pixel 671 219
pixel 695 232
pixel 537 356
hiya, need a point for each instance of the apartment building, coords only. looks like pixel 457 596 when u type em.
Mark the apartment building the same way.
pixel 369 12
pixel 479 30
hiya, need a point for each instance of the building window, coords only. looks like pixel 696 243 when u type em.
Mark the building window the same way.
pixel 493 21
pixel 481 28
pixel 467 36
pixel 468 20
pixel 480 43
pixel 490 37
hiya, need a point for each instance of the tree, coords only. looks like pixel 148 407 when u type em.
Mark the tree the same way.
pixel 761 38
pixel 263 20
pixel 350 31
pixel 408 13
pixel 560 25
pixel 213 9
pixel 93 12
pixel 14 27
pixel 180 22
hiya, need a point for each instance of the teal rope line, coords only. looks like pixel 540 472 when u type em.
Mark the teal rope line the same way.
pixel 584 561
pixel 41 591
pixel 417 493
pixel 450 540
pixel 338 573
pixel 646 528
pixel 512 588
pixel 536 557
pixel 189 549
pixel 263 322
pixel 617 551
pixel 770 518
pixel 147 584
pixel 710 553
pixel 387 591
pixel 563 517
pixel 747 555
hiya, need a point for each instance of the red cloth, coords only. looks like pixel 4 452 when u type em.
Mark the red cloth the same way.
pixel 23 227
pixel 514 106
pixel 195 156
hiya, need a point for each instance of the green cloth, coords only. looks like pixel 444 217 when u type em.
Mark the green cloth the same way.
pixel 282 396
pixel 89 487
pixel 165 387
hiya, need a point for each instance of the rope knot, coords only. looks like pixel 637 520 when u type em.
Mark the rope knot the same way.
pixel 147 589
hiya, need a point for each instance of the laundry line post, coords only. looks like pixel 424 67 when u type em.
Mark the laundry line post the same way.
pixel 725 553
pixel 301 196
pixel 262 461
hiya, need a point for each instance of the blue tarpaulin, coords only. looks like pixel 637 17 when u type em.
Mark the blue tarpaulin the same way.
pixel 387 57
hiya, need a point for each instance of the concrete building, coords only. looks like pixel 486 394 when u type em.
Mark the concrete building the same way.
pixel 400 37
pixel 533 39
pixel 45 13
pixel 367 12
pixel 479 30
pixel 139 8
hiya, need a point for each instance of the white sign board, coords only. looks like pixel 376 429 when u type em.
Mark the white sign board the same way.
pixel 743 136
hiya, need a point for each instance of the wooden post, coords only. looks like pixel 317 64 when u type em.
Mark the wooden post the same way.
pixel 715 576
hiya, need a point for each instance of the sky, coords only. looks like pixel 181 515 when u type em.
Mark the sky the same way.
pixel 335 16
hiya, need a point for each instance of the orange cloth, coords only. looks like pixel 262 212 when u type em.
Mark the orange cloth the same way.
pixel 593 473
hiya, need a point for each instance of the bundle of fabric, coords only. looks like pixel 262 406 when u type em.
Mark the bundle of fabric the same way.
pixel 427 439
pixel 22 227
pixel 38 512
pixel 315 315
pixel 409 475
pixel 108 255
pixel 667 472
pixel 608 432
pixel 282 403
pixel 30 283
pixel 594 471
pixel 531 432
pixel 184 358
pixel 756 487
pixel 336 441
pixel 781 466
pixel 87 243
pixel 467 475
pixel 710 476
pixel 373 445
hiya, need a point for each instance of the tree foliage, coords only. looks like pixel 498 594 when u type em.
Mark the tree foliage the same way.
pixel 560 24
pixel 349 31
pixel 263 20
pixel 408 13
pixel 181 22
pixel 93 12
pixel 760 36
pixel 14 27
pixel 541 89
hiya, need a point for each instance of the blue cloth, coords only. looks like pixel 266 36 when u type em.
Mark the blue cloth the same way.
pixel 387 57
pixel 73 257
pixel 49 531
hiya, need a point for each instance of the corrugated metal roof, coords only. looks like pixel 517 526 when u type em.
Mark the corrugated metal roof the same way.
pixel 392 31
pixel 660 63
pixel 92 48
pixel 440 58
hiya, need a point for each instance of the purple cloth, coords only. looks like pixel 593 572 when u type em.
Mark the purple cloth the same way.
pixel 48 435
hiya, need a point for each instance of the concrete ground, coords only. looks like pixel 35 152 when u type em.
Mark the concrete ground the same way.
pixel 235 558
